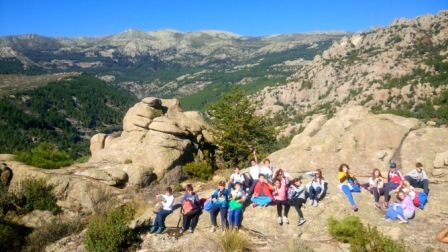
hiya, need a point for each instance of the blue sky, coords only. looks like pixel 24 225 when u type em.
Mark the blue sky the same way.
pixel 71 18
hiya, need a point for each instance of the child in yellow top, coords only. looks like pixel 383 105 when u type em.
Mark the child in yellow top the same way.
pixel 348 184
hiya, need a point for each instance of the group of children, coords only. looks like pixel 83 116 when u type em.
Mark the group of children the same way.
pixel 395 183
pixel 263 186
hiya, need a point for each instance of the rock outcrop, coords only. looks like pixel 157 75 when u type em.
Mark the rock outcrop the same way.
pixel 157 136
pixel 366 141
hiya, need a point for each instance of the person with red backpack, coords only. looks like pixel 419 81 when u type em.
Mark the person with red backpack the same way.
pixel 191 210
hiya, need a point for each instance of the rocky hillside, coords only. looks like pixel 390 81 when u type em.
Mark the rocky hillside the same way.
pixel 158 137
pixel 401 68
pixel 166 62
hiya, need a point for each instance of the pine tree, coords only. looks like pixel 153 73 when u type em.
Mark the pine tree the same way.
pixel 236 127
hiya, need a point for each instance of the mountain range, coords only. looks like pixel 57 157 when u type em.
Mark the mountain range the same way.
pixel 165 63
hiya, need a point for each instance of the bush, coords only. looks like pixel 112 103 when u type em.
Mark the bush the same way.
pixel 199 169
pixel 345 230
pixel 35 194
pixel 45 155
pixel 110 232
pixel 51 232
pixel 12 236
pixel 362 239
pixel 234 241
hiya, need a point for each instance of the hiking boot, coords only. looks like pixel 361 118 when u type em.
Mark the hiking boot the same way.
pixel 181 231
pixel 315 203
pixel 377 205
pixel 285 220
pixel 160 230
pixel 212 229
pixel 301 221
pixel 311 202
pixel 190 230
pixel 279 220
pixel 153 229
pixel 355 208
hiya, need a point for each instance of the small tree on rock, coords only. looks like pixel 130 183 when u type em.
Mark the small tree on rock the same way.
pixel 236 127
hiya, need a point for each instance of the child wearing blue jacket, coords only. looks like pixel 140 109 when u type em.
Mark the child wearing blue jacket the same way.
pixel 220 198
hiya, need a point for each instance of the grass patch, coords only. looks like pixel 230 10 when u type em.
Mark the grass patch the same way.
pixel 233 241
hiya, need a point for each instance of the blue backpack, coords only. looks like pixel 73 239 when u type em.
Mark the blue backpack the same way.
pixel 423 199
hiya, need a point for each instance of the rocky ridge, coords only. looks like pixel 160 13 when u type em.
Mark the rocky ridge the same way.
pixel 384 68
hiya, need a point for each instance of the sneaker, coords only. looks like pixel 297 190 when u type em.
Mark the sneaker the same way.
pixel 403 222
pixel 355 208
pixel 311 202
pixel 279 220
pixel 315 203
pixel 153 229
pixel 190 230
pixel 301 221
pixel 254 204
pixel 386 204
pixel 181 231
pixel 212 229
pixel 160 230
pixel 377 205
pixel 285 220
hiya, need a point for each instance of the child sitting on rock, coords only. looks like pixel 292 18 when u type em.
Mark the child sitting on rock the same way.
pixel 316 186
pixel 296 197
pixel 262 192
pixel 401 211
pixel 280 196
pixel 236 207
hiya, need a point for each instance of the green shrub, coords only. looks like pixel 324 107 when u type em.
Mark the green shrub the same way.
pixel 199 169
pixel 35 194
pixel 110 232
pixel 52 232
pixel 12 236
pixel 45 155
pixel 362 239
pixel 345 230
pixel 234 241
pixel 374 240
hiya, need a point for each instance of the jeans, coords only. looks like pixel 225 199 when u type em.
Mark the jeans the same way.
pixel 214 213
pixel 314 192
pixel 424 184
pixel 160 218
pixel 235 217
pixel 347 192
pixel 280 206
pixel 378 192
pixel 190 221
pixel 261 200
pixel 297 204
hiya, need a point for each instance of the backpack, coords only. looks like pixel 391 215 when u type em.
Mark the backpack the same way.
pixel 423 199
pixel 416 200
pixel 188 206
